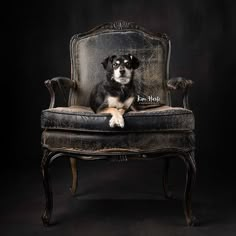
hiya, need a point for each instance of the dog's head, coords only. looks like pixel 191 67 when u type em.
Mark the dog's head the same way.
pixel 121 68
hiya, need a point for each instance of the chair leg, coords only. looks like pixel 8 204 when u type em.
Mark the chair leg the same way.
pixel 190 177
pixel 167 193
pixel 47 188
pixel 73 188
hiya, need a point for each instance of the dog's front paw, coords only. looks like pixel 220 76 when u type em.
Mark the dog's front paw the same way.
pixel 117 120
pixel 112 122
pixel 121 122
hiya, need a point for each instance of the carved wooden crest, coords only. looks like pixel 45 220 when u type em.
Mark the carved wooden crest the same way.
pixel 120 25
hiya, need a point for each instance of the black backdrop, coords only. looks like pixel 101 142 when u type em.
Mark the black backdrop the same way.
pixel 202 36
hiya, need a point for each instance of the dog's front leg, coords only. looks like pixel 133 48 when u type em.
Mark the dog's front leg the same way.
pixel 117 118
pixel 121 111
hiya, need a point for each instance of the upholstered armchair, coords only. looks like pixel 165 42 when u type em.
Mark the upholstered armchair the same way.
pixel 154 130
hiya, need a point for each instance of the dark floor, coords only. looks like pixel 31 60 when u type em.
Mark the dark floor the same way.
pixel 114 199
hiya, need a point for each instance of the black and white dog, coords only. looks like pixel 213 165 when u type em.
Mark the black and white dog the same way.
pixel 116 94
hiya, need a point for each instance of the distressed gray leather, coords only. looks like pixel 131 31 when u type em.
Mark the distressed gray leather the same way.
pixel 79 118
pixel 138 142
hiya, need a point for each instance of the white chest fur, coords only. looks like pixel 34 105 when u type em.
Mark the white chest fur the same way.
pixel 116 103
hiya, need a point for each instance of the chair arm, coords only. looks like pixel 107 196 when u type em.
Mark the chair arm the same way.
pixel 62 83
pixel 180 83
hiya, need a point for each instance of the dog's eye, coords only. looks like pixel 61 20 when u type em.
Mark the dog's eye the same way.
pixel 127 64
pixel 115 65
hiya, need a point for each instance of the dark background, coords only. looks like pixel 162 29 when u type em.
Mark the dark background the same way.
pixel 203 37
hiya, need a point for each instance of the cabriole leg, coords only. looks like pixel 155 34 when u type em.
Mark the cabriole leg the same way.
pixel 47 188
pixel 190 178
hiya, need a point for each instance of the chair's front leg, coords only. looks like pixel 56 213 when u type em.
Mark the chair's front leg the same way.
pixel 73 162
pixel 47 188
pixel 190 177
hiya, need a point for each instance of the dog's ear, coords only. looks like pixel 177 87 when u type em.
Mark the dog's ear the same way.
pixel 134 61
pixel 107 63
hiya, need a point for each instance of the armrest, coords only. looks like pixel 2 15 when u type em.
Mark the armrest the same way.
pixel 62 83
pixel 180 83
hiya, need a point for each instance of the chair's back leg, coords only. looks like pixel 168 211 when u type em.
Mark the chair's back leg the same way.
pixel 168 194
pixel 73 188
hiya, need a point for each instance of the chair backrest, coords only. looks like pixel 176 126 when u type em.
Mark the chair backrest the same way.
pixel 89 49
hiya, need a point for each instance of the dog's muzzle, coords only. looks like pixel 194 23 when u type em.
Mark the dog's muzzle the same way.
pixel 124 80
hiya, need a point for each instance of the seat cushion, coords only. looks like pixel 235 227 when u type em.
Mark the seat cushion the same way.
pixel 91 143
pixel 78 118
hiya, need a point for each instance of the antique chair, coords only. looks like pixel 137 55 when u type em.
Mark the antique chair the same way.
pixel 156 130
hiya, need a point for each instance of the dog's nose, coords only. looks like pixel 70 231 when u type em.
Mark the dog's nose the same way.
pixel 122 71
